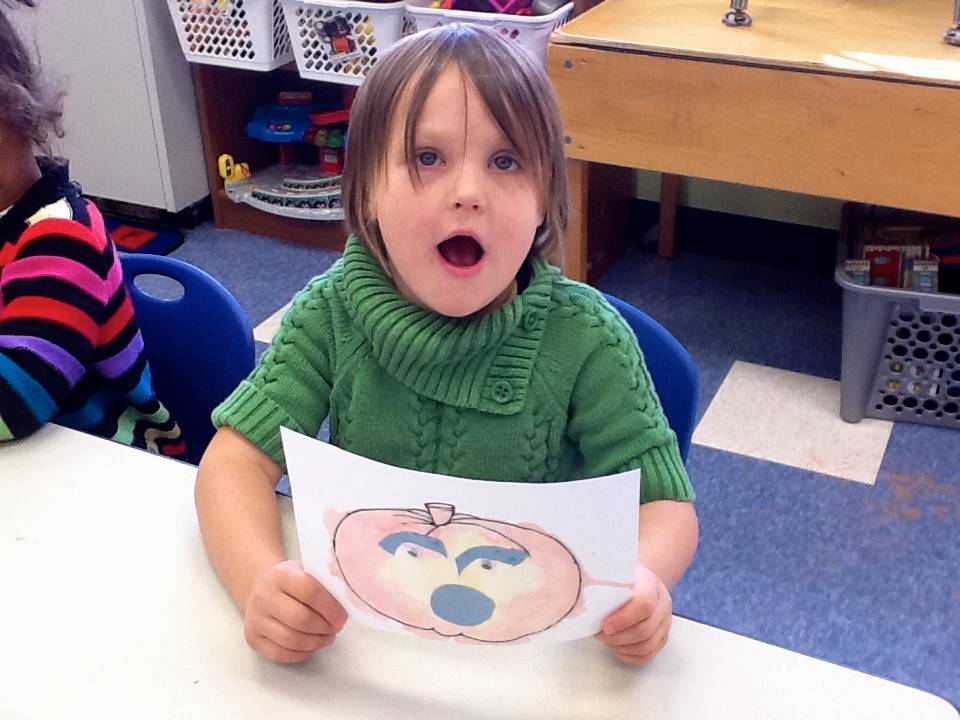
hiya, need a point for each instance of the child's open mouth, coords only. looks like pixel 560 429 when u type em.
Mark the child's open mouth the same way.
pixel 463 252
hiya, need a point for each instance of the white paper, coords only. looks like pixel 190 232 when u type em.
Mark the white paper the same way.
pixel 492 573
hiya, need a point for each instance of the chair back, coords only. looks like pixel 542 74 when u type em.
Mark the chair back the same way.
pixel 199 346
pixel 673 370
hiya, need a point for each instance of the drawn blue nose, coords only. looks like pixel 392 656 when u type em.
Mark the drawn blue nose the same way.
pixel 461 605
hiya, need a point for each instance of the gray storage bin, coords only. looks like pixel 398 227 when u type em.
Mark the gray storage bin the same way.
pixel 901 353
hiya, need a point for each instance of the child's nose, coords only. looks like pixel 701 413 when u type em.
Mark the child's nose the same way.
pixel 468 190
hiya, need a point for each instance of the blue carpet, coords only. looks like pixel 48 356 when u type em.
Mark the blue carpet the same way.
pixel 262 273
pixel 862 576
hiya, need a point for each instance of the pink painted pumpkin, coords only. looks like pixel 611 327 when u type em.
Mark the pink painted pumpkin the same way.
pixel 457 574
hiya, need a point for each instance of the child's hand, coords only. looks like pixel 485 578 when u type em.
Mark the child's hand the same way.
pixel 639 630
pixel 289 615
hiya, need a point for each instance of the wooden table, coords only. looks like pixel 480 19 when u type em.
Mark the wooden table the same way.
pixel 110 610
pixel 848 99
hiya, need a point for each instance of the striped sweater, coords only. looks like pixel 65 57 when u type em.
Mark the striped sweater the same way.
pixel 70 349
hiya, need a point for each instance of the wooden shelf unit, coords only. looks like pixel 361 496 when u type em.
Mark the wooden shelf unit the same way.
pixel 226 98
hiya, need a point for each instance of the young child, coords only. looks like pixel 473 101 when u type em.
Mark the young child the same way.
pixel 70 350
pixel 444 341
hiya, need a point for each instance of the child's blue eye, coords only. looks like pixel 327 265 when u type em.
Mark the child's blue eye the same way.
pixel 427 158
pixel 505 162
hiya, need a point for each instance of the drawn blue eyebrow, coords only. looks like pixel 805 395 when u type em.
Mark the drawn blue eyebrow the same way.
pixel 510 556
pixel 391 542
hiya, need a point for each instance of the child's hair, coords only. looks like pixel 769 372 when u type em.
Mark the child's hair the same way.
pixel 28 106
pixel 513 86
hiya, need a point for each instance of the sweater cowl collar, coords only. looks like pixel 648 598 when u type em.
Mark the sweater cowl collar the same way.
pixel 479 361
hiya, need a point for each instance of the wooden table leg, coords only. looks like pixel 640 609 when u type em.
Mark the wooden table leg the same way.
pixel 669 195
pixel 575 250
pixel 600 198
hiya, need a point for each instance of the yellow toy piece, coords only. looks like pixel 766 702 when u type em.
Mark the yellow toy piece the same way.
pixel 200 6
pixel 231 171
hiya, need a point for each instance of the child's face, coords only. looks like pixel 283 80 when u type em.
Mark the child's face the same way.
pixel 456 242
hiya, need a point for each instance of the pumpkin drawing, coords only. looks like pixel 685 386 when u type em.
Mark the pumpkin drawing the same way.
pixel 456 574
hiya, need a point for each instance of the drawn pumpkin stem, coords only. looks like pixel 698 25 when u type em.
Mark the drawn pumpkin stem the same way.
pixel 440 513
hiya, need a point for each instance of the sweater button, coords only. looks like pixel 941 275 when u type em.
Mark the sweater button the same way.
pixel 531 320
pixel 502 391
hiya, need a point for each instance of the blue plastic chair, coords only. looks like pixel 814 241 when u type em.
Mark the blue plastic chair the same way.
pixel 199 346
pixel 674 371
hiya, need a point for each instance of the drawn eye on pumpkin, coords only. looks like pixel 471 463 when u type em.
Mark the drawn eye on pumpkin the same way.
pixel 455 574
pixel 487 556
pixel 412 543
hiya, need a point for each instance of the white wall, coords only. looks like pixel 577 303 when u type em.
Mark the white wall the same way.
pixel 130 116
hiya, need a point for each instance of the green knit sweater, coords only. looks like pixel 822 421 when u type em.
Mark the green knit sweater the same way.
pixel 550 387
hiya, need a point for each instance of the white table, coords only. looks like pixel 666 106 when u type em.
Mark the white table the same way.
pixel 110 610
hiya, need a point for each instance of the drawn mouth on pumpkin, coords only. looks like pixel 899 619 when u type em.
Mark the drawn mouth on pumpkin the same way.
pixel 461 253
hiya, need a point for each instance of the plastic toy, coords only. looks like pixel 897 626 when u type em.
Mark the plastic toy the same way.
pixel 338 36
pixel 280 123
pixel 231 171
pixel 199 6
pixel 293 119
pixel 506 7
pixel 331 153
pixel 290 191
pixel 309 192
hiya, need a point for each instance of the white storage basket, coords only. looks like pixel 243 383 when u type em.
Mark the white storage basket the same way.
pixel 340 40
pixel 531 31
pixel 246 34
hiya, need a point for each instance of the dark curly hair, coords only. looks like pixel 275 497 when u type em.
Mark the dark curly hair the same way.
pixel 28 104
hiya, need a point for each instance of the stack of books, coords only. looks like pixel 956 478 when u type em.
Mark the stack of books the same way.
pixel 902 256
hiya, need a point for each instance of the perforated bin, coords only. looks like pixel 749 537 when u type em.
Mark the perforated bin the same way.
pixel 246 34
pixel 339 40
pixel 531 31
pixel 901 354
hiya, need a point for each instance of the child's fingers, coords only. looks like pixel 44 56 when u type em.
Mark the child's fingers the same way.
pixel 272 651
pixel 308 590
pixel 635 611
pixel 641 639
pixel 639 633
pixel 291 639
pixel 299 616
pixel 641 656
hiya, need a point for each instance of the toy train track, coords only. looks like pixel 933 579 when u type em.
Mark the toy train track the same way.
pixel 292 192
pixel 311 185
pixel 326 201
